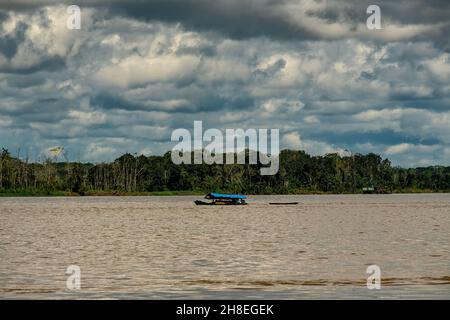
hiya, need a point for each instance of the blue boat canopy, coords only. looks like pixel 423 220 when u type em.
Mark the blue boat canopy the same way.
pixel 224 196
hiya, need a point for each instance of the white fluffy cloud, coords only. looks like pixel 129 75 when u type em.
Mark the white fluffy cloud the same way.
pixel 293 140
pixel 139 71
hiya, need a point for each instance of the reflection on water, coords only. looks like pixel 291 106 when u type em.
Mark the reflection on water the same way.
pixel 166 247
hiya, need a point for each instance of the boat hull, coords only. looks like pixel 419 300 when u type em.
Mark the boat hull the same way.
pixel 218 203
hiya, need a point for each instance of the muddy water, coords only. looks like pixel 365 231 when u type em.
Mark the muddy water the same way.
pixel 166 247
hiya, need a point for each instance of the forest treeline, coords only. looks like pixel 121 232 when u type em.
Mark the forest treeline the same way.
pixel 299 172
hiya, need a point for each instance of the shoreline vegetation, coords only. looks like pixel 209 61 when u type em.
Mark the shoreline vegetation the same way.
pixel 6 193
pixel 132 175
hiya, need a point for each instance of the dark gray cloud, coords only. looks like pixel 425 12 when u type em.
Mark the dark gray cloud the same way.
pixel 281 19
pixel 292 20
pixel 235 19
pixel 10 42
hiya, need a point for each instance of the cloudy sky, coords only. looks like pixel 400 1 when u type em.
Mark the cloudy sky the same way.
pixel 139 69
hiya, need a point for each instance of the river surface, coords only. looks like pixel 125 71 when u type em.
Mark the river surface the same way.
pixel 168 248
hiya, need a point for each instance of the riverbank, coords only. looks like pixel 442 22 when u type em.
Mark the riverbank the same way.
pixel 100 193
pixel 95 193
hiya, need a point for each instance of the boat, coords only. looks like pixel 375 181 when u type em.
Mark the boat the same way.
pixel 222 199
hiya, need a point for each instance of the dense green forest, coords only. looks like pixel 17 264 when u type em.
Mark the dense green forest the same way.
pixel 298 173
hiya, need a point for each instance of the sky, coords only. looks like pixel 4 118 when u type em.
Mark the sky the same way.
pixel 137 70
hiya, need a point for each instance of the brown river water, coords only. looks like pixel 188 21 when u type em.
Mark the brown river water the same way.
pixel 168 248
